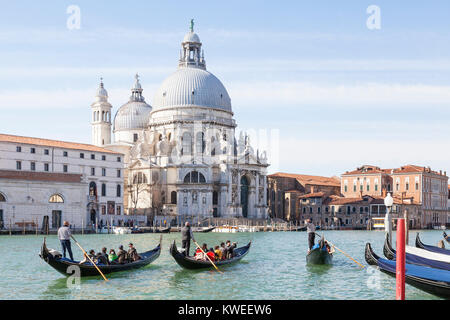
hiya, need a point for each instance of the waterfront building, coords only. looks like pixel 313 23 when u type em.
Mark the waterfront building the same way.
pixel 44 182
pixel 337 212
pixel 183 161
pixel 418 185
pixel 285 189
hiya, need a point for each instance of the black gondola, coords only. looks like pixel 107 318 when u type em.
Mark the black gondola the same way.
pixel 434 281
pixel 319 255
pixel 191 263
pixel 389 253
pixel 62 264
pixel 420 244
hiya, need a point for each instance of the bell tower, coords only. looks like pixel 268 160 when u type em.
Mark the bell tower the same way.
pixel 101 118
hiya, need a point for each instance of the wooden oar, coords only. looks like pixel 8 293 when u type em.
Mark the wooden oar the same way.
pixel 207 257
pixel 84 252
pixel 348 256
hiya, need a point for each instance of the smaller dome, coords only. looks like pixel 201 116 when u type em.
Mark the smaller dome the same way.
pixel 133 115
pixel 191 37
pixel 102 94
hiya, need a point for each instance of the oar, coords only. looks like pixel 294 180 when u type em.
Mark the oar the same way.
pixel 207 257
pixel 89 258
pixel 348 256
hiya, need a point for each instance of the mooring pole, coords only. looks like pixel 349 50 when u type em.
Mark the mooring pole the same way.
pixel 400 260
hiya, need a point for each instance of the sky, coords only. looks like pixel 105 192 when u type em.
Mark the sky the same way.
pixel 330 93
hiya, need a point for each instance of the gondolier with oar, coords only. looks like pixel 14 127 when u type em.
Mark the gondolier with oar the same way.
pixel 64 234
pixel 186 237
pixel 311 231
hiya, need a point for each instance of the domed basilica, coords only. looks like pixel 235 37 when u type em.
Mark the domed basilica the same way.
pixel 183 161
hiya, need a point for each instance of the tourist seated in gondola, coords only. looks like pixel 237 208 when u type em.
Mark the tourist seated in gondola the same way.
pixel 121 255
pixel 211 254
pixel 91 255
pixel 199 252
pixel 132 253
pixel 230 249
pixel 112 257
pixel 223 249
pixel 102 256
pixel 218 253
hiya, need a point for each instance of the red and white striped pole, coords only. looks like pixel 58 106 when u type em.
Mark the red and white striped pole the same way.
pixel 400 260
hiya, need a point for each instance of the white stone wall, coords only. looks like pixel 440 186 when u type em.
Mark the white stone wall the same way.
pixel 75 209
pixel 29 201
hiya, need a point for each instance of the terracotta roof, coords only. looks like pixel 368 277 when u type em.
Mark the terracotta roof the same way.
pixel 342 201
pixel 293 191
pixel 53 143
pixel 40 176
pixel 368 169
pixel 312 195
pixel 307 179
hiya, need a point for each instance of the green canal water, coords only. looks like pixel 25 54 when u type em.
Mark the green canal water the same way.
pixel 275 268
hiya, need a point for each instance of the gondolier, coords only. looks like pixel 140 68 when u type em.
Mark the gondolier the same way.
pixel 186 237
pixel 64 234
pixel 311 230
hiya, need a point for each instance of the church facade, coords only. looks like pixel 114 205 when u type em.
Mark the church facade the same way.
pixel 181 154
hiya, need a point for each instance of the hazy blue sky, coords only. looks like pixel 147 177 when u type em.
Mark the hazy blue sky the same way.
pixel 339 94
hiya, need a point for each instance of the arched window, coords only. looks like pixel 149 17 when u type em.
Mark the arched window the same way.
pixel 194 177
pixel 187 143
pixel 200 143
pixel 173 197
pixel 2 197
pixel 139 178
pixel 119 190
pixel 56 198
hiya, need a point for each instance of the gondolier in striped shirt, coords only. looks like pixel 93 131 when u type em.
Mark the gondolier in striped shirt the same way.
pixel 311 230
pixel 186 236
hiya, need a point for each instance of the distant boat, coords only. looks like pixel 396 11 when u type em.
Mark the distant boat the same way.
pixel 445 237
pixel 121 230
pixel 425 259
pixel 203 229
pixel 421 245
pixel 431 280
pixel 319 254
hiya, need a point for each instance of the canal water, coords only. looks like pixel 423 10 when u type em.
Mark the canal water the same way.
pixel 275 268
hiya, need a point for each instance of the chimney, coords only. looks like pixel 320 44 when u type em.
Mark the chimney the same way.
pixel 312 189
pixel 360 194
pixel 440 172
pixel 383 193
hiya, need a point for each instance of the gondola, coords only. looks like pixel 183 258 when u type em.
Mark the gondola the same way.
pixel 191 263
pixel 204 229
pixel 431 280
pixel 445 237
pixel 420 244
pixel 389 253
pixel 320 254
pixel 63 264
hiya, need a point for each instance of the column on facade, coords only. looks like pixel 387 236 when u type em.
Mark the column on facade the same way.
pixel 257 189
pixel 239 187
pixel 230 186
pixel 265 190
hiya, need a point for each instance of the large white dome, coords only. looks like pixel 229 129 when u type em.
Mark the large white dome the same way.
pixel 188 87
